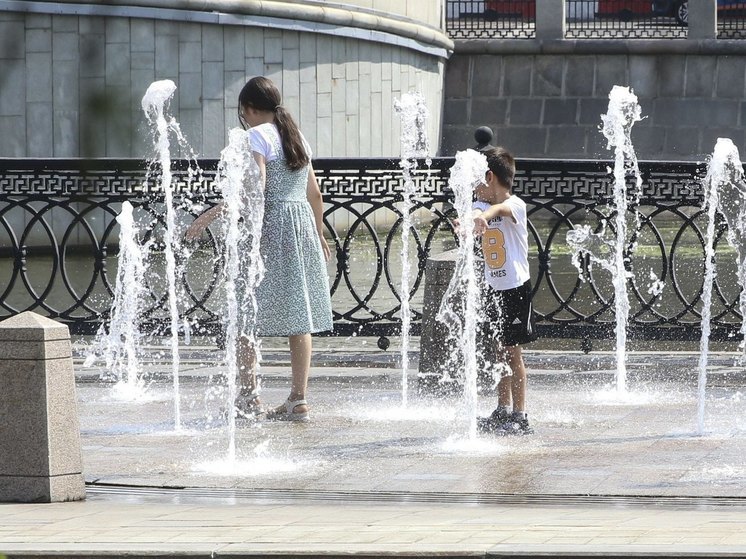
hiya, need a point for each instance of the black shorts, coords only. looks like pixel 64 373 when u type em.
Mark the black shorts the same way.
pixel 508 315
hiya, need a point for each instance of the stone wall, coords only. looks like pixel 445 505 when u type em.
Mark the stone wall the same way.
pixel 548 104
pixel 71 84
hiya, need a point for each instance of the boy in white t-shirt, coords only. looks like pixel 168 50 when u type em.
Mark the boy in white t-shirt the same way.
pixel 500 224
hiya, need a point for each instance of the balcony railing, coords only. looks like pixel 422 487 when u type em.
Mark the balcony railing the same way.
pixel 595 19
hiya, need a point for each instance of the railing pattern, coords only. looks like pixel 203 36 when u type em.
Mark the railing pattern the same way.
pixel 587 19
pixel 491 19
pixel 58 243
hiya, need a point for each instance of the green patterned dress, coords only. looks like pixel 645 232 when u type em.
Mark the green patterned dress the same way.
pixel 293 298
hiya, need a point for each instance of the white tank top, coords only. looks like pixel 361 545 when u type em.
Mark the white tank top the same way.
pixel 505 247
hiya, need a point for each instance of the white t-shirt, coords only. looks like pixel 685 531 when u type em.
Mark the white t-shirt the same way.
pixel 264 137
pixel 505 247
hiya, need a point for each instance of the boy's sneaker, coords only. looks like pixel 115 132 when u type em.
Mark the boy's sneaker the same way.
pixel 517 425
pixel 494 423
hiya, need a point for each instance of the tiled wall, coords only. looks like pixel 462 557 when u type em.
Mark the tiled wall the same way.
pixel 550 105
pixel 71 85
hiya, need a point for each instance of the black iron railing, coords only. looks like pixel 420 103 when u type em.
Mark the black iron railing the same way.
pixel 587 19
pixel 496 19
pixel 59 239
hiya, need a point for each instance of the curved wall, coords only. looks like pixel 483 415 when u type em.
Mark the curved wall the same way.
pixel 72 75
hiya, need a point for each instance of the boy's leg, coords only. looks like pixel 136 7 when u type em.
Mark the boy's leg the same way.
pixel 505 386
pixel 518 378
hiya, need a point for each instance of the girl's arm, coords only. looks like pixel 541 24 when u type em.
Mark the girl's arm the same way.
pixel 198 226
pixel 262 163
pixel 314 197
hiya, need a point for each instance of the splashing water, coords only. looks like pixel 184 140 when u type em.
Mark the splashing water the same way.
pixel 260 463
pixel 239 180
pixel 413 113
pixel 622 114
pixel 725 191
pixel 120 347
pixel 461 305
pixel 656 285
pixel 154 104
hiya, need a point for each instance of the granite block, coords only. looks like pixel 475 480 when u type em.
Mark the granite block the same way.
pixel 117 30
pixel 563 140
pixel 166 56
pixel 560 111
pixel 272 50
pixel 31 489
pixel 579 76
pixel 522 141
pixel 65 46
pixel 92 56
pixel 39 129
pixel 643 76
pixel 30 326
pixel 486 78
pixel 38 40
pixel 212 43
pixel 610 71
pixel 591 110
pixel 233 38
pixel 731 73
pixel 547 76
pixel 117 65
pixel 517 75
pixel 486 110
pixel 213 86
pixel 13 90
pixel 455 111
pixel 254 43
pixel 525 111
pixel 65 23
pixel 671 74
pixel 700 76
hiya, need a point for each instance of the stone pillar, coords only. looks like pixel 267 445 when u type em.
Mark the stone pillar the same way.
pixel 435 350
pixel 40 457
pixel 703 20
pixel 550 20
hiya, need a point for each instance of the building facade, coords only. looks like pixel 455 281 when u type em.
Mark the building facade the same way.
pixel 72 75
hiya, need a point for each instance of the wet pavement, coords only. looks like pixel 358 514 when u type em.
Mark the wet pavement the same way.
pixel 588 440
pixel 603 474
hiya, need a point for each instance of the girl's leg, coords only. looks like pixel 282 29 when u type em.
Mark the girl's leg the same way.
pixel 300 363
pixel 246 360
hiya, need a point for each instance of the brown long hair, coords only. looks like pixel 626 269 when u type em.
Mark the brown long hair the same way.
pixel 261 94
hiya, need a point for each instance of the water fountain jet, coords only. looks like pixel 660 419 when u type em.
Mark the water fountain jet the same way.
pixel 413 113
pixel 154 104
pixel 120 345
pixel 724 191
pixel 612 255
pixel 461 307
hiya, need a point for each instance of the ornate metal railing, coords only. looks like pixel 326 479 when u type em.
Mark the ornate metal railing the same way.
pixel 498 19
pixel 59 237
pixel 585 19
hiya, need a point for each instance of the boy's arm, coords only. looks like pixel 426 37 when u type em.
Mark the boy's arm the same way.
pixel 498 210
pixel 482 218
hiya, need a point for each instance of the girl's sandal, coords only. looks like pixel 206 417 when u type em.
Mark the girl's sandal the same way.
pixel 285 412
pixel 246 406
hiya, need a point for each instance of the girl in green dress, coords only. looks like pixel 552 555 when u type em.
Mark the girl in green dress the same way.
pixel 293 298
